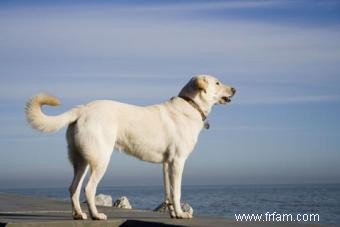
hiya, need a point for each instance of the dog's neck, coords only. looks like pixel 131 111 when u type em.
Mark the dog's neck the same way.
pixel 195 105
pixel 201 108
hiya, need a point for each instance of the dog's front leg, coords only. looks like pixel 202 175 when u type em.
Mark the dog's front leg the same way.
pixel 167 190
pixel 176 171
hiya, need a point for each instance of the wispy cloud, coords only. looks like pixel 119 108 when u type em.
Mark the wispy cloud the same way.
pixel 97 49
pixel 211 5
pixel 97 40
pixel 253 128
pixel 289 99
pixel 89 90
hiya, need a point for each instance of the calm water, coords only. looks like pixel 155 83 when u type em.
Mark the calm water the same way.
pixel 228 200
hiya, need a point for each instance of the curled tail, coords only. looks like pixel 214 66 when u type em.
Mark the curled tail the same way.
pixel 44 123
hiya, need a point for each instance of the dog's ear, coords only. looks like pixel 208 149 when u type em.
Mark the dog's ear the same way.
pixel 201 84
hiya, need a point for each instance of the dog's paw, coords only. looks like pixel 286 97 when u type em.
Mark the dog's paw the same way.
pixel 184 215
pixel 171 211
pixel 99 216
pixel 81 216
pixel 172 214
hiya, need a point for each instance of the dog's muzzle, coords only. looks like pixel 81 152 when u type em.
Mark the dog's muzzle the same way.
pixel 226 99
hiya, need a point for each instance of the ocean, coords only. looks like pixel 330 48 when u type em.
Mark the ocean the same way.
pixel 227 200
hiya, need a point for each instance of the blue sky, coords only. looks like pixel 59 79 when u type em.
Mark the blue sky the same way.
pixel 282 56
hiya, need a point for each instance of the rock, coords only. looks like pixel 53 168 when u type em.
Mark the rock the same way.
pixel 187 208
pixel 104 200
pixel 122 202
pixel 164 208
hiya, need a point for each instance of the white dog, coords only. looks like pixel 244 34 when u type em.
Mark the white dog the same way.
pixel 164 133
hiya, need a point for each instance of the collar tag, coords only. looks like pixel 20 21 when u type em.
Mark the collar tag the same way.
pixel 206 124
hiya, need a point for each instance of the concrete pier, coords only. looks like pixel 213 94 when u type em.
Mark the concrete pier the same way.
pixel 18 210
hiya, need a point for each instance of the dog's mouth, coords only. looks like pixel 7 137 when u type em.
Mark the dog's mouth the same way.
pixel 225 99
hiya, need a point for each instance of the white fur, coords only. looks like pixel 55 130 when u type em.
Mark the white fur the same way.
pixel 164 133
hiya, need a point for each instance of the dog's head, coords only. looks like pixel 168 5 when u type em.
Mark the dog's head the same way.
pixel 208 89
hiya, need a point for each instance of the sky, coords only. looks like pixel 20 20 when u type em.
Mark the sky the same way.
pixel 283 57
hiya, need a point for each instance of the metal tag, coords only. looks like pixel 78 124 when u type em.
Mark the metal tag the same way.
pixel 206 124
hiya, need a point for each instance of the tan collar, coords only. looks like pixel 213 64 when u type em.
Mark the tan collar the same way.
pixel 198 108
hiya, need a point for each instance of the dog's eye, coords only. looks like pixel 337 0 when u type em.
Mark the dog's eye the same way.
pixel 217 83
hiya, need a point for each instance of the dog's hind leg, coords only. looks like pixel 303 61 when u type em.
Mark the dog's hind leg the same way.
pixel 98 168
pixel 80 168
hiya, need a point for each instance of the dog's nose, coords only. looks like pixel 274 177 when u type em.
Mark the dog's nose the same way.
pixel 233 90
